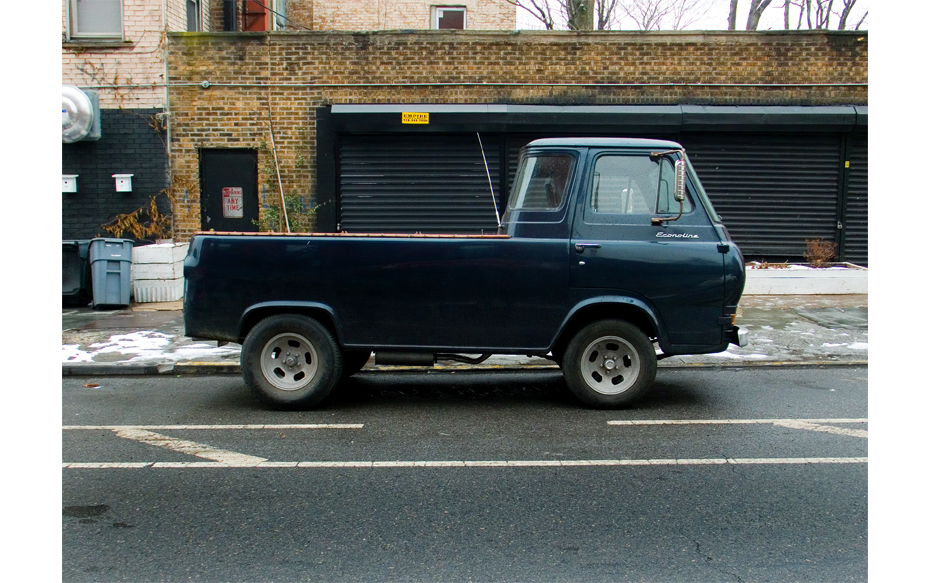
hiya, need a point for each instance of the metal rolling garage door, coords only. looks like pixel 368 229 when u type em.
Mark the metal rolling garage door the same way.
pixel 857 201
pixel 418 184
pixel 772 190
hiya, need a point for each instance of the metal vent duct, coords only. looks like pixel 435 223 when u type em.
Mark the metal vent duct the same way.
pixel 80 115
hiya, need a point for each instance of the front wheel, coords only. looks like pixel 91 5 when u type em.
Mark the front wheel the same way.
pixel 610 363
pixel 291 361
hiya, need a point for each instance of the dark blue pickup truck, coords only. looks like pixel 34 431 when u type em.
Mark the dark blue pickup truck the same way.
pixel 608 247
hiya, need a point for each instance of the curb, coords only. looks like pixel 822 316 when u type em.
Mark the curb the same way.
pixel 223 368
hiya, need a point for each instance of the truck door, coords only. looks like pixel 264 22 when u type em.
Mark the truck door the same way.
pixel 615 250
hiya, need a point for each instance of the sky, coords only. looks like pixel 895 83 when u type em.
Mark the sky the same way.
pixel 716 17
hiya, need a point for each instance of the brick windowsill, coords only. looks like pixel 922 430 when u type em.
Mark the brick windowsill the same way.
pixel 97 45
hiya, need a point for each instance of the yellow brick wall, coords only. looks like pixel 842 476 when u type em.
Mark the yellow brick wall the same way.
pixel 289 75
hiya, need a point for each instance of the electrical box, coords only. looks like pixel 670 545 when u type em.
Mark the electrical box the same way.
pixel 69 182
pixel 123 182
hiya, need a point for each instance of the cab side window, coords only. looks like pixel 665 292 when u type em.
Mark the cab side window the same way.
pixel 542 182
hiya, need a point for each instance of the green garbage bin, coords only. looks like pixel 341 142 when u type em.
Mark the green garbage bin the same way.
pixel 111 269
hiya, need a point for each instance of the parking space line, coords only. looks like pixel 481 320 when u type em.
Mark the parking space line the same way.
pixel 729 421
pixel 189 447
pixel 805 424
pixel 473 464
pixel 184 427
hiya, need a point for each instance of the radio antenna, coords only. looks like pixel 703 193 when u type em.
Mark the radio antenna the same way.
pixel 490 182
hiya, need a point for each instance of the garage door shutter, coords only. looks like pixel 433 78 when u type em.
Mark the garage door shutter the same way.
pixel 418 184
pixel 773 191
pixel 857 202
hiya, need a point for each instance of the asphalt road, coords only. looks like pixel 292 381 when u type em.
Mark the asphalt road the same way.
pixel 469 477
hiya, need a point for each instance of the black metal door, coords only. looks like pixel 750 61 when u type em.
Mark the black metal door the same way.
pixel 229 189
pixel 418 184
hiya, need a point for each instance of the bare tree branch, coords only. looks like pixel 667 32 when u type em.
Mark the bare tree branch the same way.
pixel 664 14
pixel 756 8
pixel 539 9
pixel 731 19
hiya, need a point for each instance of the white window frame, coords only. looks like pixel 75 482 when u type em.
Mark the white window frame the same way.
pixel 437 11
pixel 198 25
pixel 75 34
pixel 279 6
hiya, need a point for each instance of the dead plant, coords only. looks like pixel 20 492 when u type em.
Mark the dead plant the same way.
pixel 820 253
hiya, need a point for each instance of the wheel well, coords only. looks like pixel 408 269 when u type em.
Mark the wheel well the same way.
pixel 590 314
pixel 255 316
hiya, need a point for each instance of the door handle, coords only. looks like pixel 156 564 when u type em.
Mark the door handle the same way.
pixel 580 247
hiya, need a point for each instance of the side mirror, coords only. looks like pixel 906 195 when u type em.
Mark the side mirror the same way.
pixel 680 172
pixel 680 180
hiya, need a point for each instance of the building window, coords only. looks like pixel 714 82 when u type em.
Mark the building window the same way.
pixel 447 17
pixel 194 23
pixel 96 19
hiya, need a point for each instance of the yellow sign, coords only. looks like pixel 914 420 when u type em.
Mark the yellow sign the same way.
pixel 415 118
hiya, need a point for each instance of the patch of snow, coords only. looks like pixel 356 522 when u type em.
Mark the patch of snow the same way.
pixel 831 345
pixel 71 353
pixel 185 353
pixel 729 354
pixel 134 343
pixel 762 340
pixel 859 345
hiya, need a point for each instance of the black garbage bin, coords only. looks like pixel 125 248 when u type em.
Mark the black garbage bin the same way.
pixel 75 272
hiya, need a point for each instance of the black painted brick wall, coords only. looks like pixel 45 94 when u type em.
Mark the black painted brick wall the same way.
pixel 129 145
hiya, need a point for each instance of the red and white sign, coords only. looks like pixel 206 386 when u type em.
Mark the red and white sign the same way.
pixel 232 202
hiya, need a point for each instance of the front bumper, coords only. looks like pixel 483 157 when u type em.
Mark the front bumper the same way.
pixel 737 336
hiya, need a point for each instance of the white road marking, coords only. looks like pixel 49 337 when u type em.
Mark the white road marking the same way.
pixel 798 424
pixel 474 464
pixel 806 424
pixel 728 421
pixel 189 447
pixel 229 459
pixel 168 427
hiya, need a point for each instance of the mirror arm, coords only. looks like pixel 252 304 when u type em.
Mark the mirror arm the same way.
pixel 660 220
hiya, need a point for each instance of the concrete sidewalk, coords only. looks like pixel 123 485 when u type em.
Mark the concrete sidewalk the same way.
pixel 149 339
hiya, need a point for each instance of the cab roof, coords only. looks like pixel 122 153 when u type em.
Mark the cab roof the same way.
pixel 639 143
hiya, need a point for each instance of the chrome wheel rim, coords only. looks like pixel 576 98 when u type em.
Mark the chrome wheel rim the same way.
pixel 610 365
pixel 289 361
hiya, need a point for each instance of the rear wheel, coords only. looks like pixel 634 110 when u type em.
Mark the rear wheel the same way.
pixel 291 361
pixel 610 363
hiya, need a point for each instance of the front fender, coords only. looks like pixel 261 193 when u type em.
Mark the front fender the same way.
pixel 613 306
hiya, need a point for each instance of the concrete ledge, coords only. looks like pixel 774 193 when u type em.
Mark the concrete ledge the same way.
pixel 842 278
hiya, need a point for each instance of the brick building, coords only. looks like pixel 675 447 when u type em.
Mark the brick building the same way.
pixel 306 15
pixel 114 51
pixel 775 122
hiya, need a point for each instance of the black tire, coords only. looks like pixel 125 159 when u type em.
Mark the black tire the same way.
pixel 291 361
pixel 354 361
pixel 609 364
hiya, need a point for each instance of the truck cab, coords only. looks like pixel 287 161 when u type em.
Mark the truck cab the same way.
pixel 630 241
